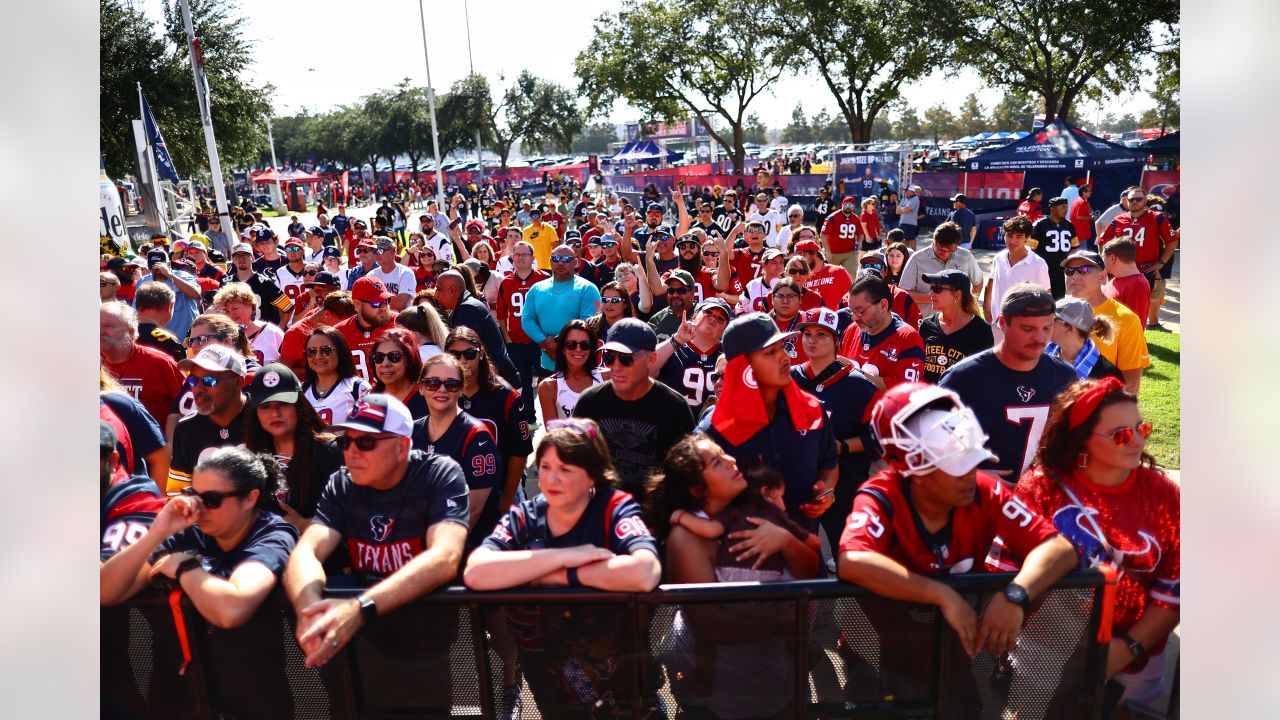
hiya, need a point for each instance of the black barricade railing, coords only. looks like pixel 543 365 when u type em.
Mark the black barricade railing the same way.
pixel 811 649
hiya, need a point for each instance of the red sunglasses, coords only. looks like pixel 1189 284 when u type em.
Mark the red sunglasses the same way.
pixel 1124 436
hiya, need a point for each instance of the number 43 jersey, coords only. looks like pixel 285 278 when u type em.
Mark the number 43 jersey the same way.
pixel 884 520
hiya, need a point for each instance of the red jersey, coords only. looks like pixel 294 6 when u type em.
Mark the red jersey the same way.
pixel 871 225
pixel 1132 291
pixel 1032 210
pixel 293 348
pixel 125 293
pixel 1080 217
pixel 841 232
pixel 830 283
pixel 884 521
pixel 1140 519
pixel 746 263
pixel 705 284
pixel 555 220
pixel 905 306
pixel 510 307
pixel 1150 233
pixel 150 376
pixel 897 352
pixel 361 342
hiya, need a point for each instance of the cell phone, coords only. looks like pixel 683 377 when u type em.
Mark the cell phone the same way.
pixel 829 491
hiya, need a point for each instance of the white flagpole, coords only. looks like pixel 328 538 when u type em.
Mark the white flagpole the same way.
pixel 431 106
pixel 206 118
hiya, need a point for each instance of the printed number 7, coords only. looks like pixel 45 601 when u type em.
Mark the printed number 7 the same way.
pixel 1038 415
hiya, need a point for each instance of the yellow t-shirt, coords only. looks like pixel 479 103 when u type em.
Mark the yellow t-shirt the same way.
pixel 1128 348
pixel 543 240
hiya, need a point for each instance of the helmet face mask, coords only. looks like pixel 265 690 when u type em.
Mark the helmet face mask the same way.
pixel 924 427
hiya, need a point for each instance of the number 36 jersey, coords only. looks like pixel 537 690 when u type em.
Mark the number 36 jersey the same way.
pixel 884 520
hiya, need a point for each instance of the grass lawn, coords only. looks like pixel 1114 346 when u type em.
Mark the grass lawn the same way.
pixel 1160 399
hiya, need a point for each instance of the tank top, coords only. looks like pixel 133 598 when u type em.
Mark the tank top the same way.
pixel 567 398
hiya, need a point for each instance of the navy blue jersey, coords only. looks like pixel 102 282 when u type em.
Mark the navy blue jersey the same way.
pixel 846 396
pixel 799 455
pixel 688 372
pixel 502 410
pixel 385 529
pixel 611 520
pixel 270 540
pixel 128 509
pixel 1054 241
pixel 471 444
pixel 1011 406
pixel 145 434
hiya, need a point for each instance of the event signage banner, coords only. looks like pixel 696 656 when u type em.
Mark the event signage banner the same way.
pixel 862 171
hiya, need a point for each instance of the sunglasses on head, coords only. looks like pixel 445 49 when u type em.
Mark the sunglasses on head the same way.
pixel 323 351
pixel 468 354
pixel 578 345
pixel 212 499
pixel 434 383
pixel 1124 436
pixel 612 356
pixel 394 356
pixel 562 258
pixel 1078 270
pixel 611 300
pixel 364 444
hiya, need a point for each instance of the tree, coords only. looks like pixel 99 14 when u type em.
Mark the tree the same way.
pixel 1168 110
pixel 1057 54
pixel 799 131
pixel 939 122
pixel 130 51
pixel 594 139
pixel 972 118
pixel 1013 112
pixel 754 130
pixel 864 50
pixel 908 126
pixel 708 60
pixel 545 113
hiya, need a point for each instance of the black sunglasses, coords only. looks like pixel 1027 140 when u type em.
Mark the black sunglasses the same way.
pixel 797 271
pixel 939 288
pixel 434 383
pixel 611 300
pixel 323 350
pixel 710 253
pixel 578 344
pixel 468 354
pixel 612 356
pixel 364 444
pixel 394 356
pixel 678 291
pixel 1079 270
pixel 212 499
pixel 716 376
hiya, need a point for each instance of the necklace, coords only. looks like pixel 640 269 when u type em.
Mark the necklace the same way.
pixel 567 284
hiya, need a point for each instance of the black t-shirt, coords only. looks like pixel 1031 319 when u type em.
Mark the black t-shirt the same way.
pixel 385 529
pixel 502 411
pixel 193 435
pixel 639 432
pixel 1104 368
pixel 1054 241
pixel 726 219
pixel 1012 406
pixel 711 229
pixel 272 301
pixel 942 351
pixel 269 267
pixel 270 540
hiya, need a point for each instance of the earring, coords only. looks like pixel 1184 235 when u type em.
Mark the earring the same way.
pixel 1082 460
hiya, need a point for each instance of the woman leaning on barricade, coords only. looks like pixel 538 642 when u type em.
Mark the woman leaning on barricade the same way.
pixel 1094 478
pixel 580 532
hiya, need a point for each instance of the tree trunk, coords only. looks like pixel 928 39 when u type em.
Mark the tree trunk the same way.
pixel 739 153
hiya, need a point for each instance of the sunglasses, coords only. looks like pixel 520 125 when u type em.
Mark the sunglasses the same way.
pixel 1080 270
pixel 935 289
pixel 1124 436
pixel 578 345
pixel 678 291
pixel 874 266
pixel 611 300
pixel 311 273
pixel 468 354
pixel 1137 199
pixel 711 253
pixel 362 251
pixel 473 231
pixel 376 305
pixel 394 356
pixel 103 283
pixel 323 351
pixel 199 340
pixel 434 383
pixel 212 499
pixel 684 244
pixel 574 245
pixel 364 444
pixel 797 272
pixel 612 356
pixel 563 258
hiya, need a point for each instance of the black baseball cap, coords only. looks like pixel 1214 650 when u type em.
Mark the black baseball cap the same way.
pixel 156 256
pixel 959 197
pixel 315 230
pixel 1057 200
pixel 274 382
pixel 324 277
pixel 106 437
pixel 749 333
pixel 1027 300
pixel 653 207
pixel 950 277
pixel 116 263
pixel 629 335
pixel 1092 258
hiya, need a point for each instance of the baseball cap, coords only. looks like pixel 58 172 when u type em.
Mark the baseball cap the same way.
pixel 821 317
pixel 116 263
pixel 653 207
pixel 715 303
pixel 180 245
pixel 572 234
pixel 106 437
pixel 368 289
pixel 331 251
pixel 274 382
pixel 264 233
pixel 755 222
pixel 952 437
pixel 536 210
pixel 383 244
pixel 241 248
pixel 1092 257
pixel 1027 300
pixel 951 277
pixel 629 335
pixel 959 197
pixel 315 230
pixel 365 243
pixel 662 232
pixel 215 358
pixel 770 254
pixel 379 413
pixel 873 258
pixel 473 265
pixel 749 333
pixel 595 240
pixel 682 276
pixel 139 262
pixel 156 256
pixel 197 246
pixel 1075 312
pixel 848 200
pixel 1057 200
pixel 807 244
pixel 324 277
pixel 294 242
pixel 216 256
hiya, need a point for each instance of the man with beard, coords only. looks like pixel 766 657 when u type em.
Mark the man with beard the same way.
pixel 373 316
pixel 710 280
pixel 272 302
pixel 217 375
pixel 653 216
pixel 678 286
pixel 685 361
pixel 841 233
pixel 887 350
pixel 1012 386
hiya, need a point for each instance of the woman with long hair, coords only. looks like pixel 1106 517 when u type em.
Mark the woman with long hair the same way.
pixel 615 304
pixel 396 367
pixel 955 331
pixel 1094 478
pixel 487 397
pixel 581 531
pixel 576 370
pixel 332 385
pixel 423 320
pixel 895 257
pixel 641 296
pixel 421 260
pixel 282 423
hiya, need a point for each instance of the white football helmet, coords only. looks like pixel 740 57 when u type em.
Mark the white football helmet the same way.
pixel 922 427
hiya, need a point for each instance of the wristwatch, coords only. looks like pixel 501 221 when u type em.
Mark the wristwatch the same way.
pixel 368 608
pixel 1135 647
pixel 1016 594
pixel 189 564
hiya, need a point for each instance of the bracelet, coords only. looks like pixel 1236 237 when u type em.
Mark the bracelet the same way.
pixel 571 574
pixel 1135 647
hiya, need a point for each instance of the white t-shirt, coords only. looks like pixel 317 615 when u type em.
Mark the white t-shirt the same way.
pixel 399 280
pixel 313 256
pixel 290 284
pixel 773 222
pixel 1032 269
pixel 784 237
pixel 752 298
pixel 441 246
pixel 779 204
pixel 266 344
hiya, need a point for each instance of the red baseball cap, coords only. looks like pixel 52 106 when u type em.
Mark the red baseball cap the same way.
pixel 808 244
pixel 367 243
pixel 848 200
pixel 368 289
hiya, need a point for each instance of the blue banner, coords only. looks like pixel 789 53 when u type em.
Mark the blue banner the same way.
pixel 863 171
pixel 164 164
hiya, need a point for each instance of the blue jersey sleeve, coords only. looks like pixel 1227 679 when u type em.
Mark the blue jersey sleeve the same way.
pixel 627 531
pixel 511 532
pixel 449 493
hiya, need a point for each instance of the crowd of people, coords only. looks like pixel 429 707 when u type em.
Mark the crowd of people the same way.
pixel 703 390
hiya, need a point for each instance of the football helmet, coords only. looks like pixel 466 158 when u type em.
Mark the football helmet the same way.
pixel 921 427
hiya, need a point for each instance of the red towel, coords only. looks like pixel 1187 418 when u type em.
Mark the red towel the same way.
pixel 740 411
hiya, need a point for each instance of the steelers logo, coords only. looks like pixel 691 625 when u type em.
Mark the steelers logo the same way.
pixel 271 379
pixel 942 359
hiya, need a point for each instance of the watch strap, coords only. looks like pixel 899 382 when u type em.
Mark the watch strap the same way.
pixel 1135 647
pixel 1018 595
pixel 368 608
pixel 571 575
pixel 190 563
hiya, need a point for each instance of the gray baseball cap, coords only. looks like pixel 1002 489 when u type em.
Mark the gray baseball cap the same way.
pixel 1075 312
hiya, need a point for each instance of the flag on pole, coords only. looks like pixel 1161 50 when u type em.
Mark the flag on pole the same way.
pixel 164 163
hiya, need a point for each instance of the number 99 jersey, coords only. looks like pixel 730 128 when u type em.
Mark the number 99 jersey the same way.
pixel 688 372
pixel 128 509
pixel 884 520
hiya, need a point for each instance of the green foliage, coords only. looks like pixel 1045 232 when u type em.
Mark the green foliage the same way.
pixel 754 130
pixel 595 139
pixel 939 123
pixel 972 118
pixel 864 50
pixel 1167 93
pixel 130 51
pixel 799 131
pixel 672 60
pixel 908 125
pixel 1160 399
pixel 1013 112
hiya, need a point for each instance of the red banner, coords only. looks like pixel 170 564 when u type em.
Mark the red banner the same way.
pixel 1160 182
pixel 346 176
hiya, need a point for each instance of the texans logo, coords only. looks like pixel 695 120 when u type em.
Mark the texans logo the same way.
pixel 1026 393
pixel 380 527
pixel 1070 520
